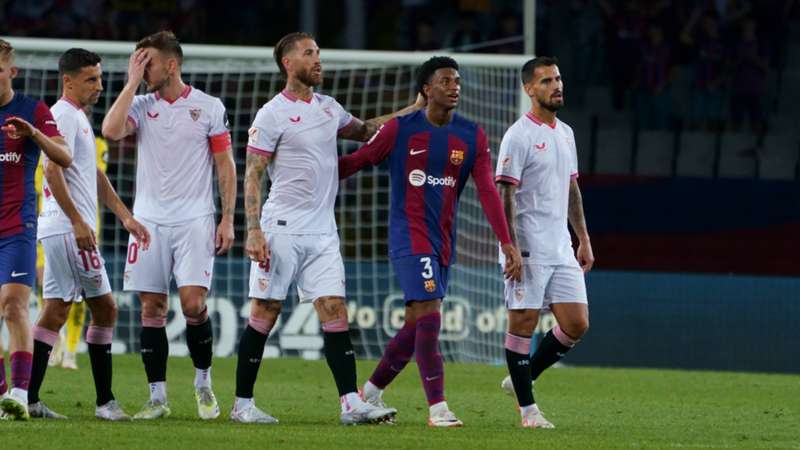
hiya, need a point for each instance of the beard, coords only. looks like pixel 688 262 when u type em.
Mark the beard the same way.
pixel 157 86
pixel 553 106
pixel 307 78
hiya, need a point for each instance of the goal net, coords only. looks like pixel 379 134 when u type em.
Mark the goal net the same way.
pixel 367 84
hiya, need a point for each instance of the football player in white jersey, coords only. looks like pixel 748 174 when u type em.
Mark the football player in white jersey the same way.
pixel 181 135
pixel 74 266
pixel 294 238
pixel 537 175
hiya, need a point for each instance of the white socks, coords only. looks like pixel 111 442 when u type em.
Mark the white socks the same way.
pixel 158 392
pixel 202 378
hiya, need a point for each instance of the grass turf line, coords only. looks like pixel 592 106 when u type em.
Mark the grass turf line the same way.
pixel 591 408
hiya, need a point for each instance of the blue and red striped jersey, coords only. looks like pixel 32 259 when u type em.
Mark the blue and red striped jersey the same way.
pixel 429 167
pixel 18 161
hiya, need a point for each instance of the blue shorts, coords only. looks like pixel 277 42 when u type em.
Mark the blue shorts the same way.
pixel 421 277
pixel 18 259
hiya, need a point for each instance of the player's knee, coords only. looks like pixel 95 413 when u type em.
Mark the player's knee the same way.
pixel 576 328
pixel 265 309
pixel 14 309
pixel 104 312
pixel 154 314
pixel 522 322
pixel 196 315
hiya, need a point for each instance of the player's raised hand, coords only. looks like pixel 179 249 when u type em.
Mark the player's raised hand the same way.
pixel 84 235
pixel 585 256
pixel 138 231
pixel 256 246
pixel 513 267
pixel 17 127
pixel 225 236
pixel 136 65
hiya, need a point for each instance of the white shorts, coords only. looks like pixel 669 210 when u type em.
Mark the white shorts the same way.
pixel 185 250
pixel 543 285
pixel 312 261
pixel 70 273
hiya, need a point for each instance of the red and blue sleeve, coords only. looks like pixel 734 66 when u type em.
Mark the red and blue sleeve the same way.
pixel 487 192
pixel 44 121
pixel 371 153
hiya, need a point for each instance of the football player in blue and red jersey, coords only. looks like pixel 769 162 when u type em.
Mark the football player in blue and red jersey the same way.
pixel 431 154
pixel 27 127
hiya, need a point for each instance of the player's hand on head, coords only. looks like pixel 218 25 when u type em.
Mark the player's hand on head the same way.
pixel 17 127
pixel 256 246
pixel 585 256
pixel 513 267
pixel 84 235
pixel 138 231
pixel 224 237
pixel 136 65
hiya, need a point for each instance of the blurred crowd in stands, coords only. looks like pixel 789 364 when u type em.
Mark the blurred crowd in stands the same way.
pixel 730 53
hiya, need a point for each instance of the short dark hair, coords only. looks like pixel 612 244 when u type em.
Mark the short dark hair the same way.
pixel 75 59
pixel 540 61
pixel 165 42
pixel 429 67
pixel 285 45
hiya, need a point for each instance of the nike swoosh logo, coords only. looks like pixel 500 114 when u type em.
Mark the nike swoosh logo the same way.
pixel 18 274
pixel 417 152
pixel 431 378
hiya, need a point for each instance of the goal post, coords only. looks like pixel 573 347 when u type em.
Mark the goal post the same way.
pixel 368 84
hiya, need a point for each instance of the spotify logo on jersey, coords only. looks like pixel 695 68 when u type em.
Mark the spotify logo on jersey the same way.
pixel 416 177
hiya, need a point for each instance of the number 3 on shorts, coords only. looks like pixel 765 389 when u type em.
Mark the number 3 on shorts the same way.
pixel 428 272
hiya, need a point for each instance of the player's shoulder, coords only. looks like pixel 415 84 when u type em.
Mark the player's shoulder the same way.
pixel 198 96
pixel 564 127
pixel 324 100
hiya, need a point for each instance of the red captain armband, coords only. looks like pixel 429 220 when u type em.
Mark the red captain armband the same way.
pixel 220 142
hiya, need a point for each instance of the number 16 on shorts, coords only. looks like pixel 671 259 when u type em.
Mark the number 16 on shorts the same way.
pixel 421 277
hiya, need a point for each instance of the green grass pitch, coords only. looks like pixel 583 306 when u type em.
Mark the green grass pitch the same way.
pixel 591 408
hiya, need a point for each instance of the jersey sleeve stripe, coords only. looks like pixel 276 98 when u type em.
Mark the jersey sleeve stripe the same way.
pixel 220 142
pixel 258 151
pixel 506 179
pixel 352 121
pixel 133 122
pixel 574 175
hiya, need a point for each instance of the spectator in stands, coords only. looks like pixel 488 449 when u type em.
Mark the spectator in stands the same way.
pixel 425 38
pixel 708 65
pixel 653 105
pixel 624 26
pixel 750 68
pixel 466 35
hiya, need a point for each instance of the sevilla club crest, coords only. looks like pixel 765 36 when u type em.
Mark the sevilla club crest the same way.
pixel 195 113
pixel 456 157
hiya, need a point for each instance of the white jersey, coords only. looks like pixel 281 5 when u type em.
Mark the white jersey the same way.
pixel 174 165
pixel 81 175
pixel 301 137
pixel 541 160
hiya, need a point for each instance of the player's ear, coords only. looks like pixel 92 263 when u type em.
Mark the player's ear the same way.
pixel 13 71
pixel 528 87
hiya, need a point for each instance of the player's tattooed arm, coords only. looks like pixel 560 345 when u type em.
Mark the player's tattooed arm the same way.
pixel 507 191
pixel 255 246
pixel 584 255
pixel 364 130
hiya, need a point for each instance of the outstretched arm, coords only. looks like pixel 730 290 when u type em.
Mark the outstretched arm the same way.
pixel 585 255
pixel 375 151
pixel 44 133
pixel 360 130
